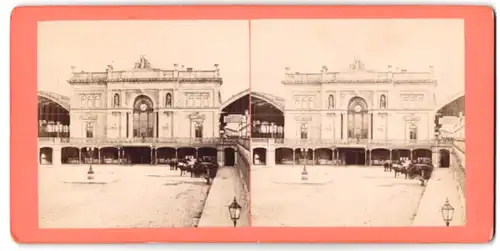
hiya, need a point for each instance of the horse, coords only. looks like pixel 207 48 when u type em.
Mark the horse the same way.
pixel 399 168
pixel 173 164
pixel 184 166
pixel 387 166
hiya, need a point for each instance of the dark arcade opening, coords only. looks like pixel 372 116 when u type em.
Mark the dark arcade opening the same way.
pixel 399 154
pixel 184 152
pixel 353 156
pixel 88 155
pixel 300 158
pixel 284 156
pixel 109 155
pixel 45 157
pixel 232 116
pixel 229 159
pixel 419 154
pixel 53 119
pixel 267 120
pixel 259 156
pixel 138 155
pixel 165 154
pixel 323 156
pixel 70 155
pixel 444 160
pixel 207 153
pixel 379 156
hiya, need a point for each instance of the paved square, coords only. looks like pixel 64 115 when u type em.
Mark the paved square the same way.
pixel 134 197
pixel 333 196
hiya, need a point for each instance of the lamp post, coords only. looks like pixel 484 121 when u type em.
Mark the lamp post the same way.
pixel 304 171
pixel 234 211
pixel 90 172
pixel 447 212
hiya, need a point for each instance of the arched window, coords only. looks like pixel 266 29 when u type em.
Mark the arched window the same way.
pixel 303 131
pixel 198 130
pixel 89 102
pixel 168 100
pixel 413 132
pixel 357 119
pixel 304 103
pixel 331 104
pixel 383 102
pixel 82 101
pixel 311 103
pixel 97 101
pixel 143 117
pixel 116 100
pixel 89 130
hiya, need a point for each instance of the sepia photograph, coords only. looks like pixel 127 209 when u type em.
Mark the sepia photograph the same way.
pixel 143 124
pixel 357 122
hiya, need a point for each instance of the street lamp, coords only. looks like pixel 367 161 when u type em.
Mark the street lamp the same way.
pixel 447 212
pixel 234 211
pixel 304 171
pixel 90 172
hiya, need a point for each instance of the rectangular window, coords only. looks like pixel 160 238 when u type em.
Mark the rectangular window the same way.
pixel 341 126
pixel 89 130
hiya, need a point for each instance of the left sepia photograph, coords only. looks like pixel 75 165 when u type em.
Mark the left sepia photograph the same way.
pixel 143 124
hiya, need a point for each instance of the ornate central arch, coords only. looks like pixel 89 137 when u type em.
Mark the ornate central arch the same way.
pixel 144 119
pixel 357 119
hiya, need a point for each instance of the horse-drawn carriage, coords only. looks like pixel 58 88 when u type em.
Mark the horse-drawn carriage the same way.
pixel 411 170
pixel 206 168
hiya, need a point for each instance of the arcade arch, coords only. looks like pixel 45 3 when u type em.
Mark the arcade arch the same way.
pixel 53 117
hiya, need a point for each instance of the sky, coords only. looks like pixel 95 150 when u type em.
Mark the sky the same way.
pixel 92 45
pixel 302 45
pixel 306 45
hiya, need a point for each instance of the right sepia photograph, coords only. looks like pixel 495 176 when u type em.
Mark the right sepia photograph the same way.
pixel 357 122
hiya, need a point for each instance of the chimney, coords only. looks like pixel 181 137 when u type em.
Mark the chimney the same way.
pixel 175 67
pixel 109 68
pixel 216 67
pixel 189 69
pixel 389 68
pixel 431 71
pixel 324 69
pixel 287 70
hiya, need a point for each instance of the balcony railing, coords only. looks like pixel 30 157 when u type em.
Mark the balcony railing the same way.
pixel 326 142
pixel 120 141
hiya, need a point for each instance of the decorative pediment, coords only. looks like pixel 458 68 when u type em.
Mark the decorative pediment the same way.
pixel 196 116
pixel 411 117
pixel 303 118
pixel 143 63
pixel 88 116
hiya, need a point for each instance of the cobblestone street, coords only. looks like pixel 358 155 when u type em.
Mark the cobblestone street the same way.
pixel 133 197
pixel 333 196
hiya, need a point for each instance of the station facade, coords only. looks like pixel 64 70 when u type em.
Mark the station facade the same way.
pixel 143 115
pixel 352 117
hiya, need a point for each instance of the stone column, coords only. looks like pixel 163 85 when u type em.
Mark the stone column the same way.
pixel 220 156
pixel 152 155
pixel 435 157
pixel 271 157
pixel 56 155
pixel 293 157
pixel 79 155
pixel 235 157
pixel 344 126
pixel 98 156
pixel 313 156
